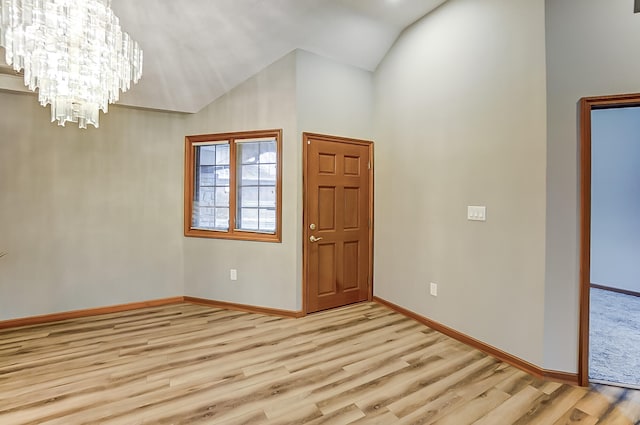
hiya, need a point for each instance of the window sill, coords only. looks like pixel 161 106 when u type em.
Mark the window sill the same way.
pixel 239 235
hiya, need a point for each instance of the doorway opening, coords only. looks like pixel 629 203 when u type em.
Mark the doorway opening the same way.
pixel 338 221
pixel 610 240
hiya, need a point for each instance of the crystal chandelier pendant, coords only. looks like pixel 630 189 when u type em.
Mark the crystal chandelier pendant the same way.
pixel 73 51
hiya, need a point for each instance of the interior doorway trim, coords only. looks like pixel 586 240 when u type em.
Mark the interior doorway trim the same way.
pixel 588 104
pixel 306 137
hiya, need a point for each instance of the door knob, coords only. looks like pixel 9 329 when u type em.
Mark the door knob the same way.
pixel 314 239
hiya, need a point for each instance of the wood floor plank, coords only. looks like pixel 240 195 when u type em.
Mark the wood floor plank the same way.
pixel 421 400
pixel 191 364
pixel 465 398
pixel 475 408
pixel 551 408
pixel 575 417
pixel 513 408
pixel 346 415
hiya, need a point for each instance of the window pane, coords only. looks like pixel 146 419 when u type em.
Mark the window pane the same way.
pixel 211 187
pixel 207 175
pixel 250 175
pixel 203 217
pixel 268 152
pixel 257 185
pixel 248 197
pixel 267 220
pixel 268 196
pixel 222 219
pixel 248 218
pixel 222 155
pixel 206 197
pixel 268 174
pixel 222 196
pixel 248 153
pixel 222 175
pixel 207 154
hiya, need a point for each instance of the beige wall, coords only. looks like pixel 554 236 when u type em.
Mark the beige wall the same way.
pixel 300 92
pixel 591 51
pixel 94 218
pixel 267 272
pixel 90 217
pixel 333 98
pixel 460 120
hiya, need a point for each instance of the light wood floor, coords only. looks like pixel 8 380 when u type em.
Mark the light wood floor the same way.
pixel 188 364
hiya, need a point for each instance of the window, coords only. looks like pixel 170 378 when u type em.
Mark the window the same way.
pixel 233 185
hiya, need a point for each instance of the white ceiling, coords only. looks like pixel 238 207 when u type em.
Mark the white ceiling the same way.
pixel 197 50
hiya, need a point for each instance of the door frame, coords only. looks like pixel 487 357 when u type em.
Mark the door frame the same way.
pixel 588 104
pixel 305 215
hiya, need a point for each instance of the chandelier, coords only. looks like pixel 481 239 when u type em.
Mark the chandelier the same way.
pixel 73 51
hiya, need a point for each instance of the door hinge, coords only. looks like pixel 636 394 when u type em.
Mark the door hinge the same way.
pixel 369 165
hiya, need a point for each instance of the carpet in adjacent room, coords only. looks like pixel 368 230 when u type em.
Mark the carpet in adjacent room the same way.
pixel 614 338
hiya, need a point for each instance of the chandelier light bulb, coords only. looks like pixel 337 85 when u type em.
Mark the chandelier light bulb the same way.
pixel 73 52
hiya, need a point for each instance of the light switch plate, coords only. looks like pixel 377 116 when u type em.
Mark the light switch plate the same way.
pixel 477 213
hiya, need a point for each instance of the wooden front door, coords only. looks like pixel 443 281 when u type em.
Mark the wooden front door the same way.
pixel 337 221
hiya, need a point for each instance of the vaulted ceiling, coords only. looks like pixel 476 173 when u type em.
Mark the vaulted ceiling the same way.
pixel 197 50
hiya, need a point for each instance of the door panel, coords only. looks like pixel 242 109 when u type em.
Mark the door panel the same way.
pixel 351 208
pixel 326 163
pixel 350 261
pixel 337 217
pixel 326 269
pixel 351 166
pixel 326 220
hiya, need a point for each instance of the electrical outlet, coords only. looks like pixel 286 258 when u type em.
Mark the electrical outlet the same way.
pixel 233 274
pixel 433 289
